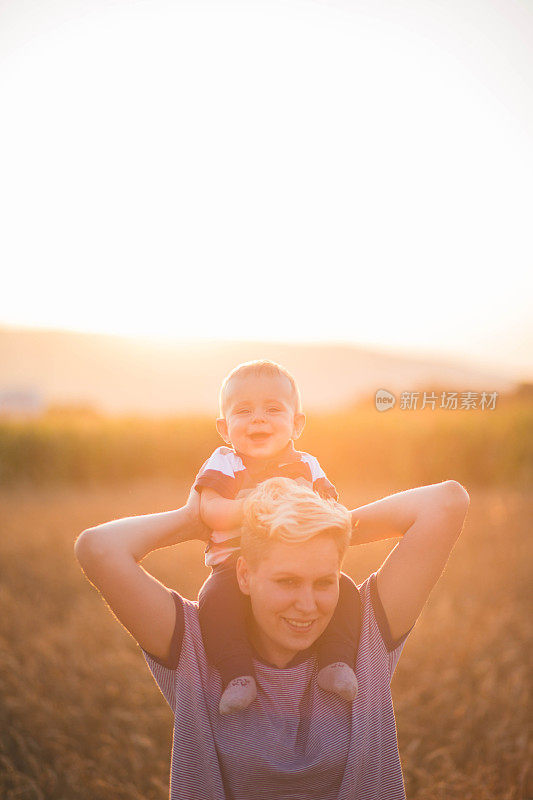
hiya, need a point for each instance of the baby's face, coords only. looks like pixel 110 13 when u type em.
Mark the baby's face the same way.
pixel 260 416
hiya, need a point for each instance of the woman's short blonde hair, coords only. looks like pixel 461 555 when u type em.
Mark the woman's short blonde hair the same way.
pixel 279 509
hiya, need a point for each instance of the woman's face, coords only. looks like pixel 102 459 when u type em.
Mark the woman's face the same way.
pixel 293 594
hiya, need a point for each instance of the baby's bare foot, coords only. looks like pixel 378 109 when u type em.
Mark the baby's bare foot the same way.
pixel 340 679
pixel 238 694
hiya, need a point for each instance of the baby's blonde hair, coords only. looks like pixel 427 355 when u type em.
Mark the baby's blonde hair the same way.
pixel 258 368
pixel 279 509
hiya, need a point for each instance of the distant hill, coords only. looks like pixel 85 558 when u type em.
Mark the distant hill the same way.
pixel 124 375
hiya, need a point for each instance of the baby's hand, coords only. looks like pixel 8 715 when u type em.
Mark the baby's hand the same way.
pixel 219 513
pixel 240 500
pixel 242 494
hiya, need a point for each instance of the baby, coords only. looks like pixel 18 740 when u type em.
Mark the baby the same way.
pixel 260 417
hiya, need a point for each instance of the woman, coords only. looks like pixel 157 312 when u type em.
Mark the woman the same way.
pixel 295 740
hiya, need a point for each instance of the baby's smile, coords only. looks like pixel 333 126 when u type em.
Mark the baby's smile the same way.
pixel 259 437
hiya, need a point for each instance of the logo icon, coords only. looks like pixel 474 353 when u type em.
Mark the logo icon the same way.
pixel 384 400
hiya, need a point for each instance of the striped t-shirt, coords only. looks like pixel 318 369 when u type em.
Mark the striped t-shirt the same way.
pixel 228 472
pixel 295 741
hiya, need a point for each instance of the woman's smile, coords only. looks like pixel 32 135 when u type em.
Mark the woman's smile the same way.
pixel 299 627
pixel 299 623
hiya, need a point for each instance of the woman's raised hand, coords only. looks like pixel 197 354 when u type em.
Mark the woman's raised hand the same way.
pixel 197 527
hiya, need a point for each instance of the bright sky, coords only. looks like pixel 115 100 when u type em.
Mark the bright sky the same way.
pixel 349 171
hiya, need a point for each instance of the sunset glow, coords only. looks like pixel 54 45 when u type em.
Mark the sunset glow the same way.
pixel 283 170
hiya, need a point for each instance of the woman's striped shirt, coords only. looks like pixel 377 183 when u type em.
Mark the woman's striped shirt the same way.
pixel 295 741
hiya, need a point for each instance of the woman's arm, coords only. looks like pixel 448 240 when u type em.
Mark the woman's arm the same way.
pixel 429 519
pixel 109 554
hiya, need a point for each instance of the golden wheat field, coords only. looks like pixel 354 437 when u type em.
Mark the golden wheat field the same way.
pixel 80 715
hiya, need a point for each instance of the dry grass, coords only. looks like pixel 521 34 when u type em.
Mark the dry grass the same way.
pixel 80 716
